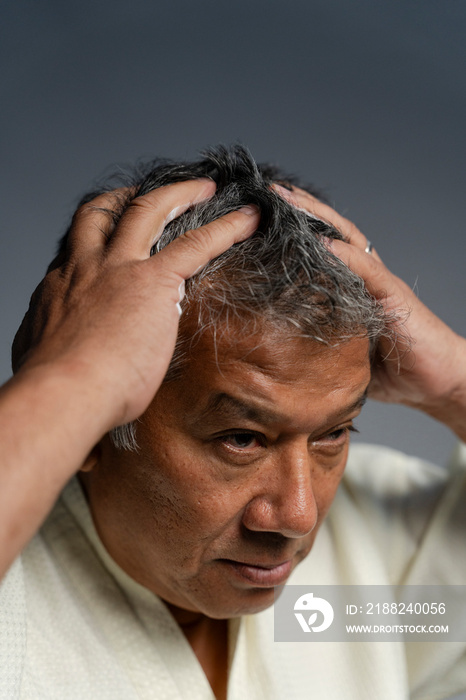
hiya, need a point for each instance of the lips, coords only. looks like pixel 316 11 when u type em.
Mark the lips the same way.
pixel 262 576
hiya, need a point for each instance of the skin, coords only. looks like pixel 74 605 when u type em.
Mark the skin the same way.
pixel 220 482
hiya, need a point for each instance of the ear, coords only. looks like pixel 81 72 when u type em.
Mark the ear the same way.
pixel 91 460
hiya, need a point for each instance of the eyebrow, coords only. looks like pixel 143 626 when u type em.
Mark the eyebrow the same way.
pixel 235 408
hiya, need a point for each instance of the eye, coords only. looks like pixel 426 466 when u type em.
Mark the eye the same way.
pixel 241 441
pixel 240 447
pixel 337 434
pixel 337 437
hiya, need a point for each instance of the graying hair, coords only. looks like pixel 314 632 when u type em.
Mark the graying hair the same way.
pixel 284 274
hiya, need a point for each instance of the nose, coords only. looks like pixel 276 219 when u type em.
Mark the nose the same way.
pixel 285 502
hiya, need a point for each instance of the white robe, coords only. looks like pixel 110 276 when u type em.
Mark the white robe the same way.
pixel 74 626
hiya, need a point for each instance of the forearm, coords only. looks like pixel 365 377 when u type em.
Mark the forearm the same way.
pixel 450 407
pixel 50 419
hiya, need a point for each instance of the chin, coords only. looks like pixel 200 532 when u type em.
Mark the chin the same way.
pixel 250 603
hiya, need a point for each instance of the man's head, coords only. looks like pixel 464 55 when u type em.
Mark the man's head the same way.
pixel 242 449
pixel 283 277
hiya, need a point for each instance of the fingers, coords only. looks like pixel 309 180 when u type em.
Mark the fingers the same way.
pixel 143 222
pixel 93 222
pixel 140 225
pixel 189 253
pixel 378 279
pixel 305 201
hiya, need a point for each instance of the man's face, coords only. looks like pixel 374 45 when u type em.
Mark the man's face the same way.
pixel 238 464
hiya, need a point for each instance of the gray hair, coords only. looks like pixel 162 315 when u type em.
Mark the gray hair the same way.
pixel 284 274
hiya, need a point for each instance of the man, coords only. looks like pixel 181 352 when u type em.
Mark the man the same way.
pixel 186 519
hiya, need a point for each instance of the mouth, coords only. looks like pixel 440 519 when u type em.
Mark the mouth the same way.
pixel 260 575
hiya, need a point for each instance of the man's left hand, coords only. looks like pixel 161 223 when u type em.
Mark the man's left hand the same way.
pixel 421 362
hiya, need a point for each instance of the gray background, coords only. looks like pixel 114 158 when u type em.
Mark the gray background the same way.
pixel 367 99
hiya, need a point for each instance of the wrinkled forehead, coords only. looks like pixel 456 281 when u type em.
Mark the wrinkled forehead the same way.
pixel 263 346
pixel 250 339
pixel 292 383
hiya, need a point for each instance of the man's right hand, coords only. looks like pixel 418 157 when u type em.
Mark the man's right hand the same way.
pixel 109 311
pixel 96 343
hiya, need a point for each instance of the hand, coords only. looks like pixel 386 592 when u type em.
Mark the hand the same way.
pixel 96 343
pixel 423 363
pixel 108 314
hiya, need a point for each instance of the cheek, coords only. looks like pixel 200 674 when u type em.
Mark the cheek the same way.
pixel 325 484
pixel 179 485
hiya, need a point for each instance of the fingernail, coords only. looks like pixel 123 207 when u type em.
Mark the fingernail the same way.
pixel 181 291
pixel 279 188
pixel 282 191
pixel 207 191
pixel 174 214
pixel 250 210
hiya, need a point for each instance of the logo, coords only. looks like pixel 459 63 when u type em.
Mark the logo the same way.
pixel 312 605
